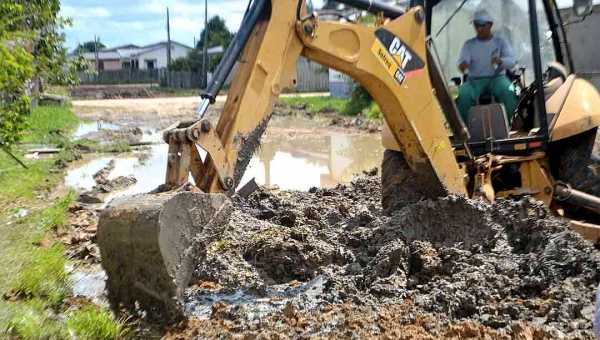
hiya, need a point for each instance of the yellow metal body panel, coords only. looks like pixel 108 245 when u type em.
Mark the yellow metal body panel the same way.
pixel 536 181
pixel 580 112
pixel 402 90
pixel 268 66
pixel 588 230
pixel 410 109
pixel 387 139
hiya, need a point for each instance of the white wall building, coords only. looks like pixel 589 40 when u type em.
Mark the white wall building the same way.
pixel 134 57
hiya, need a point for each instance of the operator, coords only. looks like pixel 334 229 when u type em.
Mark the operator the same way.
pixel 485 59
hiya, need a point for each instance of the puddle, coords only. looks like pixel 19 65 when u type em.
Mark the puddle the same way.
pixel 305 161
pixel 150 172
pixel 90 282
pixel 257 304
pixel 85 128
pixel 297 163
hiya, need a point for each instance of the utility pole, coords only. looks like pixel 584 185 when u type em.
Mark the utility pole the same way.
pixel 96 58
pixel 168 50
pixel 205 49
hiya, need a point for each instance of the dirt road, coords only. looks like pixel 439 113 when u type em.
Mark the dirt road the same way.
pixel 138 104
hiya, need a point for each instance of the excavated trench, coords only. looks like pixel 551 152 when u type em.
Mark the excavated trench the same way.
pixel 328 263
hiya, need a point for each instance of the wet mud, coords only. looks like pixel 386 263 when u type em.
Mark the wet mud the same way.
pixel 79 235
pixel 328 263
pixel 104 185
pixel 333 116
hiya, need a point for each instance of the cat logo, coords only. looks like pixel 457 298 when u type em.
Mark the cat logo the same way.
pixel 400 52
pixel 407 61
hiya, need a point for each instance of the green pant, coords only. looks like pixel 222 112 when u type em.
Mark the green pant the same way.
pixel 500 88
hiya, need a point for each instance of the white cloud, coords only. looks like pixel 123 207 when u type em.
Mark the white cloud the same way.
pixel 132 25
pixel 185 25
pixel 85 13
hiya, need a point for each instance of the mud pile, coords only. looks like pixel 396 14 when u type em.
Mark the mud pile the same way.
pixel 358 123
pixel 329 264
pixel 104 185
pixel 79 235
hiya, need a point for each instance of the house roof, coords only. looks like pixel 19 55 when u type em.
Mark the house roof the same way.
pixel 129 51
pixel 122 47
pixel 102 55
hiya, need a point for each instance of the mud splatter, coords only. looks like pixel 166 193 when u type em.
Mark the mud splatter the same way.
pixel 451 268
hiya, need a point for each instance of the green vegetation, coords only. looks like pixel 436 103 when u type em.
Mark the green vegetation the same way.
pixel 221 245
pixel 218 35
pixel 50 125
pixel 374 112
pixel 95 324
pixel 32 271
pixel 89 46
pixel 266 234
pixel 345 106
pixel 60 90
pixel 31 51
pixel 176 91
pixel 317 104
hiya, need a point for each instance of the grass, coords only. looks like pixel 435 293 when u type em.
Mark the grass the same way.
pixel 317 104
pixel 31 320
pixel 60 90
pixel 95 324
pixel 344 106
pixel 221 245
pixel 50 125
pixel 266 234
pixel 374 112
pixel 89 145
pixel 33 278
pixel 174 91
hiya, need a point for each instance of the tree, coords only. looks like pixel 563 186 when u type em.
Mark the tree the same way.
pixel 89 46
pixel 31 51
pixel 218 35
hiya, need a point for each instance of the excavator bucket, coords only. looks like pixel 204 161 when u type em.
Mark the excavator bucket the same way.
pixel 150 244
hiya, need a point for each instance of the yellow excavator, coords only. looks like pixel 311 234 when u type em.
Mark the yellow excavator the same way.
pixel 147 249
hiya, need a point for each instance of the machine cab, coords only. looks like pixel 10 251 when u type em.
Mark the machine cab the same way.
pixel 552 102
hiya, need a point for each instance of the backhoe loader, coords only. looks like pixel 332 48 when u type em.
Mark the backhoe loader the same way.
pixel 149 243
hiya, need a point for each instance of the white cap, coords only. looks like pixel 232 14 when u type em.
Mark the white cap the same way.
pixel 482 15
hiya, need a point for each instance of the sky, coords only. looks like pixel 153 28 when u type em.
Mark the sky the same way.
pixel 143 22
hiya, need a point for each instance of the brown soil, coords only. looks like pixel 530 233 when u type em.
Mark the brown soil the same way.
pixel 160 113
pixel 122 92
pixel 329 263
pixel 79 236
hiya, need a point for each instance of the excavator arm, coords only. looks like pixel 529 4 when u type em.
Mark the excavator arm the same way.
pixel 388 59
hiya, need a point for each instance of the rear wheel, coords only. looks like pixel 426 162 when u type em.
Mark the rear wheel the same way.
pixel 399 185
pixel 576 161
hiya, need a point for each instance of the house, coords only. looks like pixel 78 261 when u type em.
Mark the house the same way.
pixel 131 56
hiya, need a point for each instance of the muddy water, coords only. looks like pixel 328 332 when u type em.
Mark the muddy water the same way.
pixel 89 281
pixel 296 162
pixel 90 127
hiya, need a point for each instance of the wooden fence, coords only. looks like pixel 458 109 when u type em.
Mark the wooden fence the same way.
pixel 312 77
pixel 126 76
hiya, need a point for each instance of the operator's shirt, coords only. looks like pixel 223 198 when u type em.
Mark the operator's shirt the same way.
pixel 479 54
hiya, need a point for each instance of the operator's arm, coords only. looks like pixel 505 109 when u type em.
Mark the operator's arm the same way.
pixel 464 60
pixel 506 55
